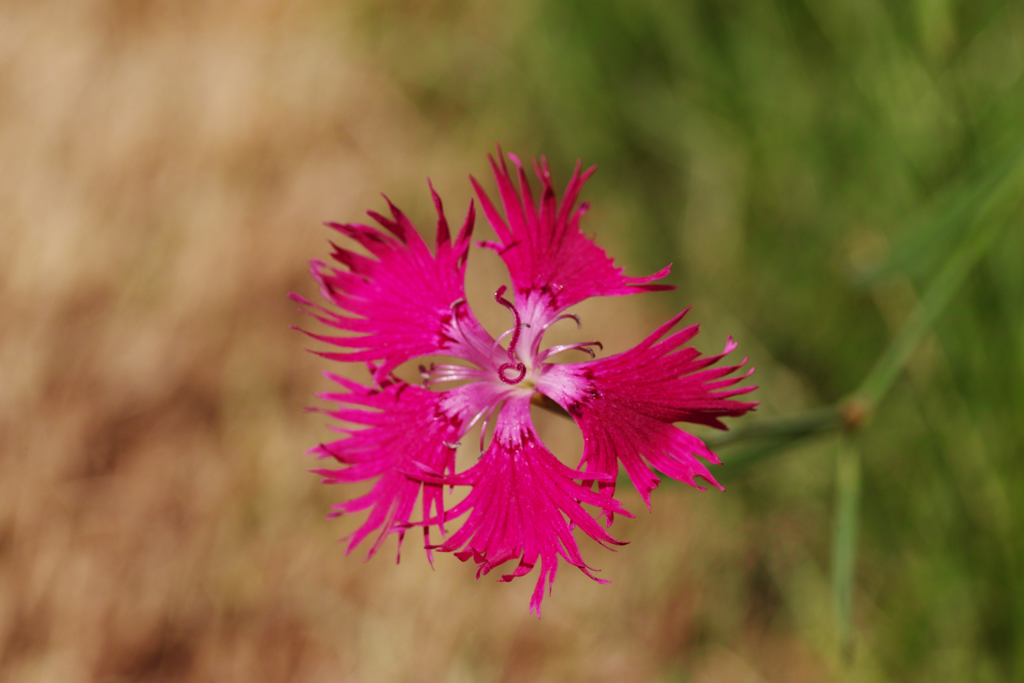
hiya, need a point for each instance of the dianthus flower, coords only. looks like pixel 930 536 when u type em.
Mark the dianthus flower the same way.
pixel 402 302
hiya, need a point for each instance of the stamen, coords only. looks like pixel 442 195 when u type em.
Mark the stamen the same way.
pixel 512 364
pixel 585 347
pixel 536 339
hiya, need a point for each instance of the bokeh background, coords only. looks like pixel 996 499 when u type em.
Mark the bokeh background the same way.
pixel 821 173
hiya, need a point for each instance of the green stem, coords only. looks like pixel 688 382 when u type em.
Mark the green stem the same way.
pixel 794 427
pixel 774 435
pixel 844 543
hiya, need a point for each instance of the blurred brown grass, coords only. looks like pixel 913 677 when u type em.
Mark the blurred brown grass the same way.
pixel 165 167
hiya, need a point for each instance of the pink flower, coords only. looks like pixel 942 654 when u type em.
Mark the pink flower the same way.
pixel 404 302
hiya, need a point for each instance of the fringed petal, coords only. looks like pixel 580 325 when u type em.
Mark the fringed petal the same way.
pixel 552 263
pixel 402 430
pixel 524 505
pixel 625 405
pixel 405 302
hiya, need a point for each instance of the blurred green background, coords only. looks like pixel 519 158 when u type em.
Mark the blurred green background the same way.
pixel 839 184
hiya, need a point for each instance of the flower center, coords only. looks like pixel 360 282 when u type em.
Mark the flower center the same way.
pixel 513 365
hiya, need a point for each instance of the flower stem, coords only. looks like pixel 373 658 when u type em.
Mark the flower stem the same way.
pixel 791 427
pixel 844 543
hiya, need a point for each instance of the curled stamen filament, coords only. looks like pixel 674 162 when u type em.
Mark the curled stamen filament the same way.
pixel 540 335
pixel 584 346
pixel 512 364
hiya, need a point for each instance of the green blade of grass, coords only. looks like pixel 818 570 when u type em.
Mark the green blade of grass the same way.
pixel 994 214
